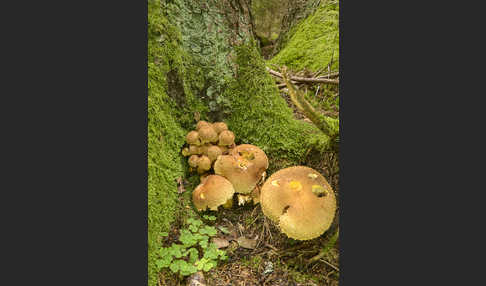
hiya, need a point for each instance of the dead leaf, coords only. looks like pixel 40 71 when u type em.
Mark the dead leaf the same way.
pixel 220 242
pixel 180 186
pixel 197 116
pixel 246 242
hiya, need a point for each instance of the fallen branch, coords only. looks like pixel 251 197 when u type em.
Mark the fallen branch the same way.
pixel 304 79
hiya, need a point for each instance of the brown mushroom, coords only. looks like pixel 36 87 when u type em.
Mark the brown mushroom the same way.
pixel 213 192
pixel 202 123
pixel 195 150
pixel 213 152
pixel 193 138
pixel 204 148
pixel 243 167
pixel 300 201
pixel 204 164
pixel 208 135
pixel 226 138
pixel 193 161
pixel 220 126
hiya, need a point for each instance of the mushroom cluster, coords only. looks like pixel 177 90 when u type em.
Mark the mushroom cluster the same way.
pixel 237 169
pixel 300 201
pixel 206 143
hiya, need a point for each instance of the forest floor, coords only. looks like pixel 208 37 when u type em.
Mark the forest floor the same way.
pixel 270 258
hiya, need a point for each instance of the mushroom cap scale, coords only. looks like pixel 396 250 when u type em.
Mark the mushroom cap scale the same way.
pixel 300 201
pixel 212 192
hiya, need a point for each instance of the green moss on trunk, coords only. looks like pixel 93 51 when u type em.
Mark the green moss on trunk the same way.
pixel 314 43
pixel 260 116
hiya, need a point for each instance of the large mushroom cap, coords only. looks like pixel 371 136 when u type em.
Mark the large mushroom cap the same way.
pixel 207 134
pixel 192 138
pixel 243 167
pixel 212 192
pixel 300 201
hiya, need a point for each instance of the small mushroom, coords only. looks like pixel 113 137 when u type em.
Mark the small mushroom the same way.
pixel 193 161
pixel 208 135
pixel 186 152
pixel 226 138
pixel 213 192
pixel 202 123
pixel 204 164
pixel 300 201
pixel 204 148
pixel 220 126
pixel 193 138
pixel 213 152
pixel 243 167
pixel 195 150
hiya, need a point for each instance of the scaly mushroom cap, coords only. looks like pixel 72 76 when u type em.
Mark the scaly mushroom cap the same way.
pixel 204 164
pixel 201 124
pixel 300 201
pixel 212 192
pixel 193 138
pixel 220 126
pixel 226 138
pixel 193 161
pixel 243 167
pixel 195 150
pixel 213 152
pixel 204 148
pixel 208 135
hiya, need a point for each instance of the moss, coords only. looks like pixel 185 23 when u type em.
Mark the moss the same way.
pixel 313 42
pixel 260 116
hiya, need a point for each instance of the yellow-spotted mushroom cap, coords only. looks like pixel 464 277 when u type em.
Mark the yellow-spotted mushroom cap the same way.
pixel 192 138
pixel 213 192
pixel 243 167
pixel 300 201
pixel 220 126
pixel 207 134
pixel 226 138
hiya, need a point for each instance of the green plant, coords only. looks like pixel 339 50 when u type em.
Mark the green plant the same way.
pixel 184 257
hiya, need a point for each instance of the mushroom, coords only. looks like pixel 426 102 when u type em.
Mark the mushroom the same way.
pixel 186 152
pixel 219 127
pixel 213 192
pixel 193 138
pixel 226 138
pixel 202 123
pixel 243 167
pixel 208 135
pixel 213 152
pixel 204 164
pixel 204 148
pixel 193 161
pixel 300 201
pixel 195 150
